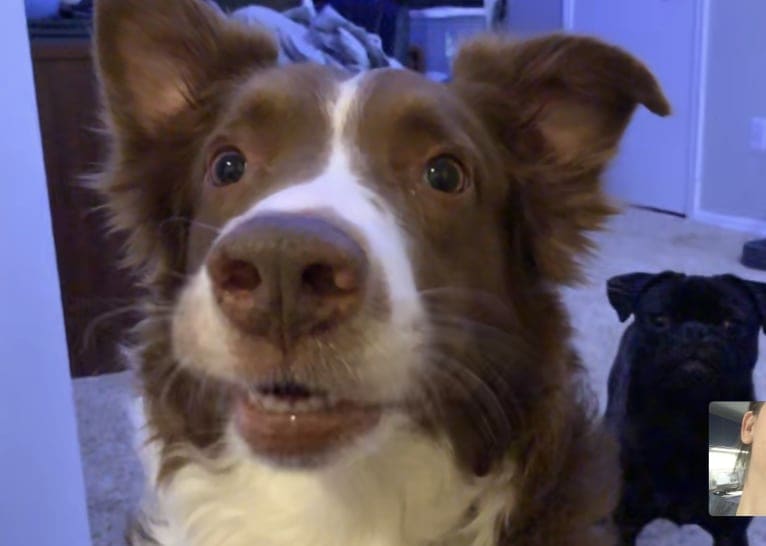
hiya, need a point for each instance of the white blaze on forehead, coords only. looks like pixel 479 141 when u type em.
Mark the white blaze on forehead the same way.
pixel 340 190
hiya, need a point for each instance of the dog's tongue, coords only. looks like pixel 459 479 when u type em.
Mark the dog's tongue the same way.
pixel 301 434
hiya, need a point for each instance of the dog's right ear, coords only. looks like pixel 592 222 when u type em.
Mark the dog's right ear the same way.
pixel 623 292
pixel 156 58
pixel 558 106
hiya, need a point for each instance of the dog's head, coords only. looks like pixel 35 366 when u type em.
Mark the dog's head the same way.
pixel 691 330
pixel 323 251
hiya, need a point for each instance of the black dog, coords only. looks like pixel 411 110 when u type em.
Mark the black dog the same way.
pixel 694 340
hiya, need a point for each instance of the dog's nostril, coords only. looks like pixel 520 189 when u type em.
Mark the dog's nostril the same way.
pixel 324 279
pixel 237 275
pixel 282 277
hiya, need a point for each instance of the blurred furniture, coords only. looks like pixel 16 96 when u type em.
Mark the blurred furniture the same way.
pixel 278 5
pixel 438 31
pixel 36 9
pixel 93 289
pixel 754 254
pixel 388 19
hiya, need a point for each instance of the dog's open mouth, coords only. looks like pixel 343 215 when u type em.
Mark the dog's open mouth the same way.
pixel 291 421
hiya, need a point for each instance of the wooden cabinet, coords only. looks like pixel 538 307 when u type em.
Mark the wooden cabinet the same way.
pixel 93 289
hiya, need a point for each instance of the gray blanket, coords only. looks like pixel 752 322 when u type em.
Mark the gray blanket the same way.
pixel 324 37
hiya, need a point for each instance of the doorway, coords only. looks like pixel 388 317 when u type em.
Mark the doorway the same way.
pixel 656 166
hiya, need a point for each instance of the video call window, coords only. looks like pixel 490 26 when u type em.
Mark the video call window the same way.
pixel 736 459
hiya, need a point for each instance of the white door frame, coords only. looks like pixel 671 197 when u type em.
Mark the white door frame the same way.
pixel 567 14
pixel 43 501
pixel 697 99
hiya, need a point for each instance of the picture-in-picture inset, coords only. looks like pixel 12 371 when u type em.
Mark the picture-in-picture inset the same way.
pixel 737 459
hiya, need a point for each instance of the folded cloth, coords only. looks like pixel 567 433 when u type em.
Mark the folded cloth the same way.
pixel 388 19
pixel 278 5
pixel 325 37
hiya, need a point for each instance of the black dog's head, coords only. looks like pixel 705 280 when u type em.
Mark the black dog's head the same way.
pixel 691 333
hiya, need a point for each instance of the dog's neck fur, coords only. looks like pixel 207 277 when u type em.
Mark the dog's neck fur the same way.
pixel 405 492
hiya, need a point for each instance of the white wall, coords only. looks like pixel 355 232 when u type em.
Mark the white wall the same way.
pixel 656 160
pixel 534 16
pixel 42 500
pixel 733 177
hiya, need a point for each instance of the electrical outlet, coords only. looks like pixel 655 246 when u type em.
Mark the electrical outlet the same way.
pixel 758 134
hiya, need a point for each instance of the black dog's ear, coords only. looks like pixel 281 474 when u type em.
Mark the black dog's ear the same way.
pixel 758 293
pixel 623 291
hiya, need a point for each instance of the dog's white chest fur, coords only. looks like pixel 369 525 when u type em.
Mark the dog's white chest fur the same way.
pixel 408 492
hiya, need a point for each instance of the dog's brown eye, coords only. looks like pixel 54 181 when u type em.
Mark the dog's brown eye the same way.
pixel 444 173
pixel 228 167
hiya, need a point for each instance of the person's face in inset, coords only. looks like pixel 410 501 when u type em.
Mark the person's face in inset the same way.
pixel 753 433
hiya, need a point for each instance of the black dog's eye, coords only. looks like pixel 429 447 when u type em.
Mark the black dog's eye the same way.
pixel 445 174
pixel 659 321
pixel 228 167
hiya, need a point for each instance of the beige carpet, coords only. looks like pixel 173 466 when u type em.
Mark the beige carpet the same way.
pixel 637 240
pixel 640 240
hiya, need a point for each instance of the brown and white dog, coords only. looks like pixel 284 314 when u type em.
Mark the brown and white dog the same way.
pixel 352 331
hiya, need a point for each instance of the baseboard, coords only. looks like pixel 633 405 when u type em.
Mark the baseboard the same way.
pixel 736 223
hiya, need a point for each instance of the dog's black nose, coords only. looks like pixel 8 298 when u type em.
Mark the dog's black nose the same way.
pixel 283 276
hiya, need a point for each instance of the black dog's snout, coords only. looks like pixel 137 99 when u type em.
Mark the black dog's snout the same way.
pixel 696 332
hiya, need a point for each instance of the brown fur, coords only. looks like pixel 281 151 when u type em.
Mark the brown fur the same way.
pixel 539 120
pixel 559 105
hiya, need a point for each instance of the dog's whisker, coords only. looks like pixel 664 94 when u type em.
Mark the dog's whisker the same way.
pixel 174 375
pixel 179 275
pixel 478 388
pixel 190 222
pixel 98 321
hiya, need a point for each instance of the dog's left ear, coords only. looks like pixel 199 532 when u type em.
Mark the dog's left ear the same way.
pixel 757 291
pixel 558 105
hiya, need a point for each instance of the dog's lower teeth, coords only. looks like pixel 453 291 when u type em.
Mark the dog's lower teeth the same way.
pixel 274 403
pixel 279 404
